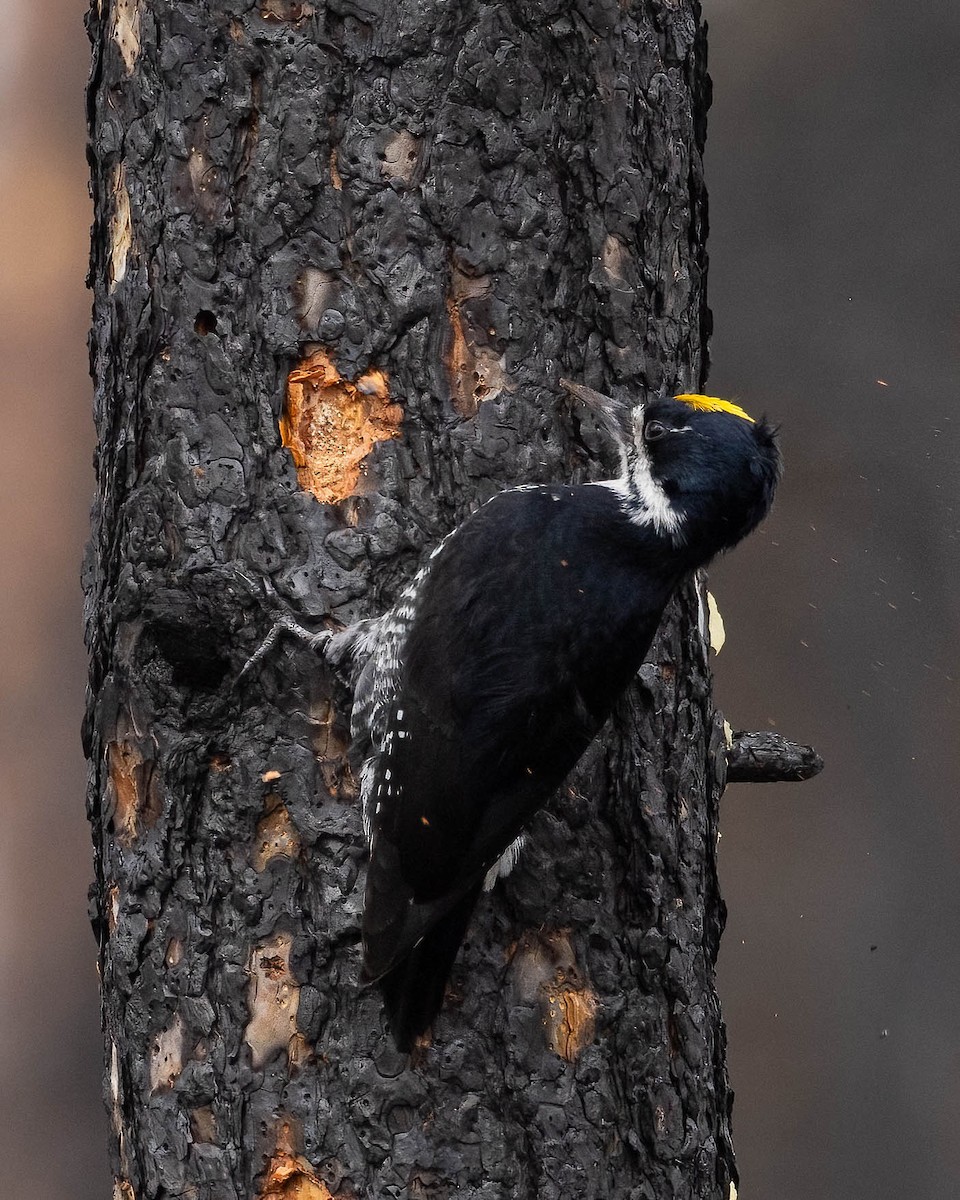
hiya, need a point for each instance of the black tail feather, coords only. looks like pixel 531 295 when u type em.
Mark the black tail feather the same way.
pixel 413 989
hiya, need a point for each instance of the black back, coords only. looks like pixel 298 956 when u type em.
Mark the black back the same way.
pixel 498 700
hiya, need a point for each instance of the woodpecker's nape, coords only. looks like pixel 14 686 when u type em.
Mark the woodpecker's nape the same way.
pixel 479 691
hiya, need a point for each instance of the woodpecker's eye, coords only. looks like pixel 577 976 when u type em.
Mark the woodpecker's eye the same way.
pixel 653 430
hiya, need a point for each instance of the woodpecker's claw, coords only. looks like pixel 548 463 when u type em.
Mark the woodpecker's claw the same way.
pixel 315 641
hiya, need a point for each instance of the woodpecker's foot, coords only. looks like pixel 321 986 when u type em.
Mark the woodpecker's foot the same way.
pixel 315 640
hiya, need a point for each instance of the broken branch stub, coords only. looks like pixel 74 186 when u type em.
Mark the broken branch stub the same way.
pixel 765 757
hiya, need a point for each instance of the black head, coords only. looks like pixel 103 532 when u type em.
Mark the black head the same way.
pixel 716 466
pixel 697 468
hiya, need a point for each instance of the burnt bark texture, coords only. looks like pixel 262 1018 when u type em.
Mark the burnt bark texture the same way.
pixel 341 254
pixel 766 757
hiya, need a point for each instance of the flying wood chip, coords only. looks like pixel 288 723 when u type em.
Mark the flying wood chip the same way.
pixel 330 424
pixel 715 626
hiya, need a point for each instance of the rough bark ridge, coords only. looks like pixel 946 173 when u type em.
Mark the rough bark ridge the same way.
pixel 346 249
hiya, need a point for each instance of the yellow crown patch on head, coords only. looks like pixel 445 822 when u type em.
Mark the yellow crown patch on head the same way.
pixel 714 404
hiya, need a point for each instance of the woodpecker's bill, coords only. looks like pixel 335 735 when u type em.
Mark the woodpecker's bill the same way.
pixel 479 691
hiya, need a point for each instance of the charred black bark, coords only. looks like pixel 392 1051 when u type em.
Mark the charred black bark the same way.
pixel 770 758
pixel 347 249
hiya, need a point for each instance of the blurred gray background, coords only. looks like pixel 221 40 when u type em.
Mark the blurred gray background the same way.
pixel 833 161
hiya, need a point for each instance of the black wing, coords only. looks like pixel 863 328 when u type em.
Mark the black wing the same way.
pixel 533 619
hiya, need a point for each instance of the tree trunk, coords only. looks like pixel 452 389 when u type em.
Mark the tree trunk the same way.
pixel 341 254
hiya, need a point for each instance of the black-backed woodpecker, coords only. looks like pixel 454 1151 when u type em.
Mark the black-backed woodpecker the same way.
pixel 478 692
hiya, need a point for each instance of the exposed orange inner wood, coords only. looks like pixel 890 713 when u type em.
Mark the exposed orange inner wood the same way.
pixel 124 761
pixel 126 31
pixel 335 171
pixel 476 372
pixel 330 424
pixel 289 1176
pixel 276 834
pixel 121 228
pixel 285 10
pixel 167 1054
pixel 570 1020
pixel 546 970
pixel 203 1124
pixel 273 999
pixel 459 361
pixel 134 786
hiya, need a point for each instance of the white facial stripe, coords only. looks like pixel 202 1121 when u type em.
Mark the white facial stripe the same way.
pixel 654 501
